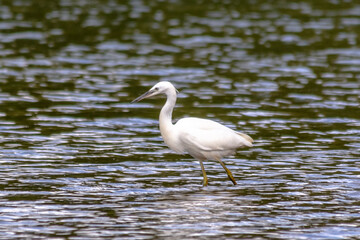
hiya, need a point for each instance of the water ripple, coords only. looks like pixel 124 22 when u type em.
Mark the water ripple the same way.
pixel 78 160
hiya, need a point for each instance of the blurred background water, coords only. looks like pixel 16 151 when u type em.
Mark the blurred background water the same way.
pixel 78 161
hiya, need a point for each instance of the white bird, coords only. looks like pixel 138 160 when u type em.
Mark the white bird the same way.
pixel 203 139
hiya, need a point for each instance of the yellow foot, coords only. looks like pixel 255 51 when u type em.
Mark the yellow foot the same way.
pixel 205 182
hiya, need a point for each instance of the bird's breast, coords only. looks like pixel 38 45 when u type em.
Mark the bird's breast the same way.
pixel 173 143
pixel 171 139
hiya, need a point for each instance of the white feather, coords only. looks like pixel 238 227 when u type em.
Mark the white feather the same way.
pixel 201 138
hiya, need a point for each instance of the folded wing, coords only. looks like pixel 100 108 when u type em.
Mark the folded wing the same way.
pixel 198 134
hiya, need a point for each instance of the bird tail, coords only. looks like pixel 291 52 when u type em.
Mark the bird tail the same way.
pixel 247 138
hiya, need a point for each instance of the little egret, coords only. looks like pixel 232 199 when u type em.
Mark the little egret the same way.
pixel 201 138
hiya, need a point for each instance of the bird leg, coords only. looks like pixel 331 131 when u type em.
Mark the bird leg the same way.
pixel 227 171
pixel 205 183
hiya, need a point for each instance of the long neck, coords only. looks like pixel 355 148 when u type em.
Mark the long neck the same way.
pixel 165 118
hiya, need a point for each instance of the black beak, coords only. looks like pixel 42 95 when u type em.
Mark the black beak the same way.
pixel 145 95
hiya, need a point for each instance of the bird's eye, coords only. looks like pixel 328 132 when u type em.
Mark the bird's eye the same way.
pixel 156 89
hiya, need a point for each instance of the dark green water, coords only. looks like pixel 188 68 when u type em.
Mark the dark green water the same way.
pixel 78 161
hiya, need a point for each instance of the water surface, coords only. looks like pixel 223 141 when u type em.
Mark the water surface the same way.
pixel 78 161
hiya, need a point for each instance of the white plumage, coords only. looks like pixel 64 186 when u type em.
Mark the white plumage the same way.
pixel 202 138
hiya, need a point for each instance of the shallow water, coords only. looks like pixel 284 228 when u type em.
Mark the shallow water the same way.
pixel 78 161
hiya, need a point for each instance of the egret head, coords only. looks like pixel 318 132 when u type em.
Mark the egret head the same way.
pixel 159 88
